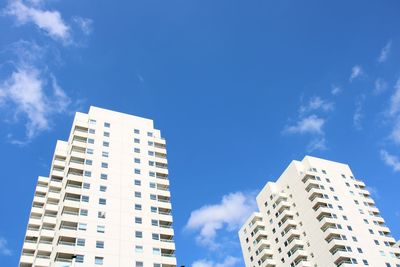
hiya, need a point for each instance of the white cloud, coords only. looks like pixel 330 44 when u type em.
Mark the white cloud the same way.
pixel 318 143
pixel 233 210
pixel 356 72
pixel 335 90
pixel 385 52
pixel 390 160
pixel 49 21
pixel 229 261
pixel 85 24
pixel 31 94
pixel 311 124
pixel 395 134
pixel 316 103
pixel 380 86
pixel 358 114
pixel 4 250
pixel 395 100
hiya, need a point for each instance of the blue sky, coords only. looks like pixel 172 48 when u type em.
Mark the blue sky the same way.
pixel 238 88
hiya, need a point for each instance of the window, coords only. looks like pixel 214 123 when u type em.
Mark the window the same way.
pixel 151 163
pixel 102 201
pixel 154 222
pixel 138 207
pixel 83 212
pixel 103 188
pixel 152 174
pixel 103 176
pixel 365 262
pixel 107 125
pixel 80 242
pixel 150 143
pixel 101 228
pixel 155 236
pixel 91 121
pixel 138 182
pixel 138 220
pixel 136 140
pixel 156 251
pixel 153 209
pixel 137 171
pixel 85 199
pixel 151 153
pixel 139 264
pixel 104 154
pixel 87 173
pixel 106 134
pixel 89 151
pixel 98 260
pixel 101 214
pixel 138 194
pixel 359 250
pixel 82 226
pixel 99 244
pixel 104 165
pixel 139 249
pixel 106 144
pixel 149 134
pixel 88 162
pixel 92 131
pixel 136 150
pixel 136 131
pixel 137 160
pixel 86 185
pixel 152 185
pixel 79 258
pixel 90 141
pixel 138 234
pixel 153 197
pixel 157 265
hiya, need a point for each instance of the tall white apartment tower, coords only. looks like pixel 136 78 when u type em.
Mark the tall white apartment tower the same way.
pixel 106 200
pixel 317 215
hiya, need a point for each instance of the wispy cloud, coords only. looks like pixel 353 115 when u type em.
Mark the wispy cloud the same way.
pixel 4 250
pixel 311 124
pixel 383 56
pixel 395 100
pixel 390 160
pixel 229 261
pixel 380 86
pixel 358 113
pixel 356 72
pixel 85 24
pixel 316 103
pixel 335 89
pixel 229 215
pixel 49 21
pixel 31 94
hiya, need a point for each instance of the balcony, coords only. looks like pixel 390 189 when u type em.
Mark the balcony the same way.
pixel 27 258
pixel 42 260
pixel 45 246
pixel 327 223
pixel 342 257
pixel 315 192
pixel 261 234
pixel 268 262
pixel 319 202
pixel 310 184
pixel 30 245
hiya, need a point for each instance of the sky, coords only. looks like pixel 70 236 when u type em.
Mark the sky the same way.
pixel 238 88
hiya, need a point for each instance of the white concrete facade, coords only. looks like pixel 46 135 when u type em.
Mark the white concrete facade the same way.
pixel 106 200
pixel 317 215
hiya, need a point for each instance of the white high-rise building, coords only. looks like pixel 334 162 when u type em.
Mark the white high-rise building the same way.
pixel 106 200
pixel 317 215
